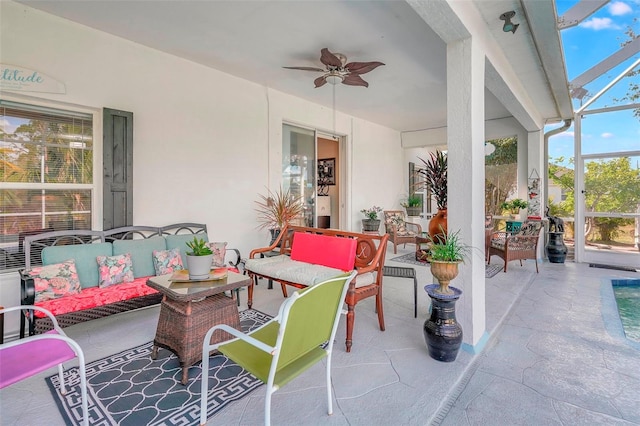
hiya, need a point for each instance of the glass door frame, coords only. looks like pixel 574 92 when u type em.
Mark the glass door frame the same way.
pixel 581 253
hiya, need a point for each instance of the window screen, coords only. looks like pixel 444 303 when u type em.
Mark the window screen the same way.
pixel 46 166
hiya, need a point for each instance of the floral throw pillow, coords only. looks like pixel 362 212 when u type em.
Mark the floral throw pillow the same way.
pixel 167 261
pixel 219 250
pixel 114 269
pixel 54 281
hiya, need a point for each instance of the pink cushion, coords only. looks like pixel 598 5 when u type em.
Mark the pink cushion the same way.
pixel 95 296
pixel 325 250
pixel 42 354
pixel 54 281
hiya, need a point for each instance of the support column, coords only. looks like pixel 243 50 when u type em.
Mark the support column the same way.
pixel 535 161
pixel 465 140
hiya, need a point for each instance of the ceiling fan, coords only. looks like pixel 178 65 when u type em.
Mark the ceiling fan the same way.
pixel 339 71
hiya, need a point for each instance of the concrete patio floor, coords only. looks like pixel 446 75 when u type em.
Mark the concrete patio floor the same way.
pixel 556 355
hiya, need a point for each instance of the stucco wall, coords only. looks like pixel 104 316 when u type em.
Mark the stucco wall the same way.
pixel 205 142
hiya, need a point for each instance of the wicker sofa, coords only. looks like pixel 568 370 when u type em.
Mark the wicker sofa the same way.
pixel 141 248
pixel 315 264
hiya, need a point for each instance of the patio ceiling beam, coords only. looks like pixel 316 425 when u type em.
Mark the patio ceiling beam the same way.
pixel 579 12
pixel 608 86
pixel 627 51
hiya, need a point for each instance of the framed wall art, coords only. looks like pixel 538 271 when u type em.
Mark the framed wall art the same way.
pixel 326 171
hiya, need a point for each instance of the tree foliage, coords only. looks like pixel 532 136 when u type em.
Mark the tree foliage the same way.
pixel 501 174
pixel 633 92
pixel 611 186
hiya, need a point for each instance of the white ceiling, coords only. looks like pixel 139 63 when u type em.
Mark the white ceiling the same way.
pixel 255 39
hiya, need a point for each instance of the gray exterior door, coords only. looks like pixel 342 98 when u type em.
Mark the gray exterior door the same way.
pixel 118 168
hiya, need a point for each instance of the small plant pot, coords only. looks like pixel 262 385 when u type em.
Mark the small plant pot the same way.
pixel 370 224
pixel 414 211
pixel 199 266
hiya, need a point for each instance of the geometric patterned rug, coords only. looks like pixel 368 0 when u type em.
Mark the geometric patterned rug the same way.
pixel 489 270
pixel 129 388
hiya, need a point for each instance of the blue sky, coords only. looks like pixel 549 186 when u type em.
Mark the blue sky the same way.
pixel 585 45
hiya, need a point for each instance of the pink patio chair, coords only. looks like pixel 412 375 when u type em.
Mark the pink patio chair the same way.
pixel 23 358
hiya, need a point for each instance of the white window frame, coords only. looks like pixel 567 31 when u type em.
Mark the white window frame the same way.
pixel 96 186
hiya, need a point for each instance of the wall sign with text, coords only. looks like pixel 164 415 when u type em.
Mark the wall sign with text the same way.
pixel 18 79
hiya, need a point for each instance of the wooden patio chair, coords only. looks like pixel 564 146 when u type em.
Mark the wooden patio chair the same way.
pixel 521 245
pixel 400 231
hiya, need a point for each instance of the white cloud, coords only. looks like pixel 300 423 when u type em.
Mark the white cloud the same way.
pixel 6 126
pixel 599 24
pixel 606 135
pixel 618 8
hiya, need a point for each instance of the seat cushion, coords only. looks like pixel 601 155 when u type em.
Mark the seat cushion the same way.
pixel 85 257
pixel 114 269
pixel 141 251
pixel 96 296
pixel 283 268
pixel 325 250
pixel 56 280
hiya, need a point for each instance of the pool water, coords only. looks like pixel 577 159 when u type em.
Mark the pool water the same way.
pixel 627 292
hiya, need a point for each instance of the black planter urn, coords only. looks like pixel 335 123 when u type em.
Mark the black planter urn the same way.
pixel 556 249
pixel 442 332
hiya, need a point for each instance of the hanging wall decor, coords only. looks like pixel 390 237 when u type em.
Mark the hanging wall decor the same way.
pixel 534 208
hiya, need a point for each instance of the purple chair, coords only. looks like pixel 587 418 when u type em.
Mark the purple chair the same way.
pixel 43 352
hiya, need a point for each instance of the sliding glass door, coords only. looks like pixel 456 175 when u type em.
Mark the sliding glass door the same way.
pixel 299 168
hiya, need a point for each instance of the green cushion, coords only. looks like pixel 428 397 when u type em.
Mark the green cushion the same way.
pixel 85 257
pixel 180 241
pixel 141 251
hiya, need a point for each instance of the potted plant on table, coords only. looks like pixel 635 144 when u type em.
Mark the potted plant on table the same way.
pixel 435 180
pixel 276 210
pixel 514 206
pixel 199 258
pixel 442 333
pixel 371 223
pixel 413 205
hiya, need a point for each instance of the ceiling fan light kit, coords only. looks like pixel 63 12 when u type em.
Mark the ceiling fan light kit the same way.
pixel 338 70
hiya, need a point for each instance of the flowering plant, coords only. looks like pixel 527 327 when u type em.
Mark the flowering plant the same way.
pixel 372 213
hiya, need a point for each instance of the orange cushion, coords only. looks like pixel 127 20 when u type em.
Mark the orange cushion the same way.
pixel 325 250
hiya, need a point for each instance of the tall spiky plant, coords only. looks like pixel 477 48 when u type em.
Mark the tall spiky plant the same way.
pixel 435 177
pixel 277 208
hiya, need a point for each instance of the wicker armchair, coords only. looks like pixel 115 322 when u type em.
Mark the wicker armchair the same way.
pixel 400 231
pixel 488 234
pixel 522 245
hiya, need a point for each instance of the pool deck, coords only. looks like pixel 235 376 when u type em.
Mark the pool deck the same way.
pixel 556 355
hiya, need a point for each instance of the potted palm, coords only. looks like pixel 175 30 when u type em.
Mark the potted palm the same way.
pixel 435 180
pixel 199 258
pixel 276 210
pixel 371 223
pixel 442 333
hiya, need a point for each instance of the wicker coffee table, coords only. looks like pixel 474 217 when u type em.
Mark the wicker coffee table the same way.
pixel 188 310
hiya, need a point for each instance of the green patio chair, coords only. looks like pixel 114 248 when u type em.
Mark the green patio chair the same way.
pixel 287 345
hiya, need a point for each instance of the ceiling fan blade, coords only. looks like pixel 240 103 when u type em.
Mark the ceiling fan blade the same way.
pixel 362 67
pixel 329 58
pixel 305 69
pixel 354 80
pixel 320 81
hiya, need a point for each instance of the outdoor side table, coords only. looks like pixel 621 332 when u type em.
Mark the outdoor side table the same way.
pixel 402 272
pixel 188 310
